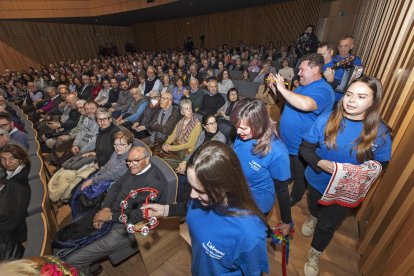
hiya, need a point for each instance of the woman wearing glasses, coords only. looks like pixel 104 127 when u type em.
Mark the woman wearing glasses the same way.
pixel 97 185
pixel 105 137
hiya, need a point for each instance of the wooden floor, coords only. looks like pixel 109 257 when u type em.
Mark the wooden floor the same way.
pixel 339 259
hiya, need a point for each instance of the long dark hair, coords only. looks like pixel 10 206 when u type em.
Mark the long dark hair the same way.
pixel 263 127
pixel 372 120
pixel 219 170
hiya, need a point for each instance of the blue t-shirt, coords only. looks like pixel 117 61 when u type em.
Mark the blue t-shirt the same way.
pixel 226 245
pixel 339 72
pixel 260 171
pixel 294 123
pixel 327 65
pixel 344 152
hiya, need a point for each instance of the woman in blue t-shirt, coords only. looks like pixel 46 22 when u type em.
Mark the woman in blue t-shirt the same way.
pixel 227 229
pixel 263 156
pixel 353 133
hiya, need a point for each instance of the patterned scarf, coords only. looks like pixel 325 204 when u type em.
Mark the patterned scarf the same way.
pixel 183 131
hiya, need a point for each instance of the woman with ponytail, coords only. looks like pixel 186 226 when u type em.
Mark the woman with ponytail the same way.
pixel 353 133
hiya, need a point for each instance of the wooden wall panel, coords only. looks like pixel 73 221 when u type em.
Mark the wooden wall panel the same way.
pixel 337 19
pixel 16 9
pixel 384 34
pixel 281 23
pixel 24 44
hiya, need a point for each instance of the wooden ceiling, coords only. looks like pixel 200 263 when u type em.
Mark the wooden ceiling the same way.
pixel 116 12
pixel 18 9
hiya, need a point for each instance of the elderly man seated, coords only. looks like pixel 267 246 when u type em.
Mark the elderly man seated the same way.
pixel 141 174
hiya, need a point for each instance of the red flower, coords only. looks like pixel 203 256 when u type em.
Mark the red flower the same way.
pixel 50 270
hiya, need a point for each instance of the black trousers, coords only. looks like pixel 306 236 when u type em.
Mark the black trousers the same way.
pixel 329 219
pixel 297 169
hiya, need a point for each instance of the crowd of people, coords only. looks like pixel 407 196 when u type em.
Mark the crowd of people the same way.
pixel 184 106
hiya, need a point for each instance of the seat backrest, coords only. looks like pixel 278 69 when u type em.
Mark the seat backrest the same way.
pixel 248 89
pixel 139 143
pixel 235 75
pixel 170 178
pixel 38 236
pixel 253 75
pixel 227 128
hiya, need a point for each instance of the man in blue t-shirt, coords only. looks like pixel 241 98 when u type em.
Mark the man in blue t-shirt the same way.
pixel 312 98
pixel 326 50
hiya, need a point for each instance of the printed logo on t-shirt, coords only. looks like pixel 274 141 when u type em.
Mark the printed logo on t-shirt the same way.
pixel 212 251
pixel 254 165
pixel 374 147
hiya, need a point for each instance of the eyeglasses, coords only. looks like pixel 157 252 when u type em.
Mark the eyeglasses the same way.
pixel 154 98
pixel 211 124
pixel 102 120
pixel 134 161
pixel 4 125
pixel 119 145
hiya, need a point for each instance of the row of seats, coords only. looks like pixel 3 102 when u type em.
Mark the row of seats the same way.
pixel 42 224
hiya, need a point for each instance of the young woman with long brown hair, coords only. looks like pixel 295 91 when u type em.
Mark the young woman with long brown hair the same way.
pixel 353 133
pixel 227 229
pixel 264 157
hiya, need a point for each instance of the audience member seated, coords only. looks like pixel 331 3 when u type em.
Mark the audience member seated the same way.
pixel 193 74
pixel 104 138
pixel 232 97
pixel 163 122
pixel 75 84
pixel 184 137
pixel 5 140
pixel 286 72
pixel 136 108
pixel 96 87
pixel 151 82
pixel 86 137
pixel 15 161
pixel 178 90
pixel 254 66
pixel 147 116
pixel 7 124
pixel 103 95
pixel 124 100
pixel 113 94
pixel 141 174
pixel 167 86
pixel 66 123
pixel 53 101
pixel 195 94
pixel 85 91
pixel 33 97
pixel 94 188
pixel 238 65
pixel 211 101
pixel 14 200
pixel 210 132
pixel 132 80
pixel 245 75
pixel 63 145
pixel 224 82
pixel 267 68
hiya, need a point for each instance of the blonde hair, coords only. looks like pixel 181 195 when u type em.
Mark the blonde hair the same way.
pixel 19 267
